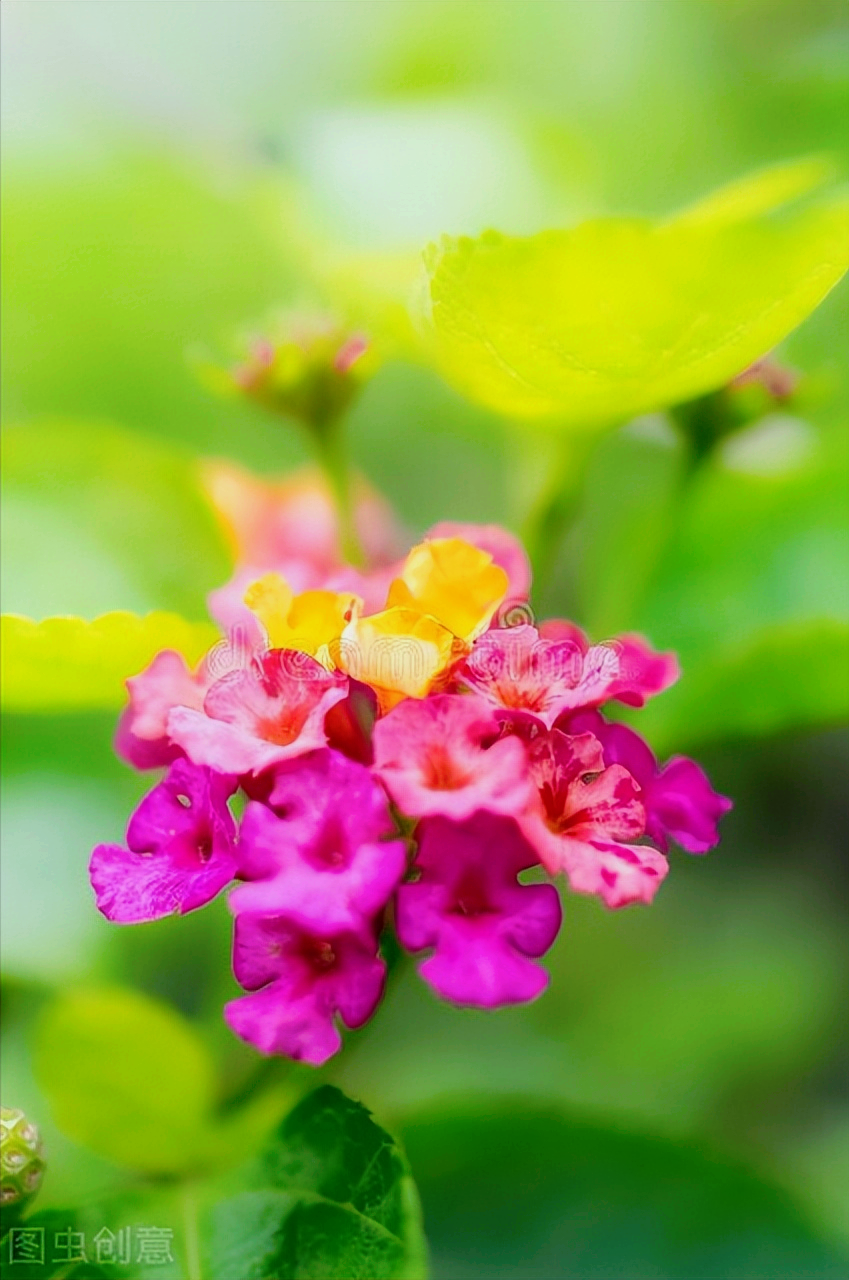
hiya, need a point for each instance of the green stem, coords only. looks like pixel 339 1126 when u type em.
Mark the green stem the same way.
pixel 554 508
pixel 333 457
pixel 191 1230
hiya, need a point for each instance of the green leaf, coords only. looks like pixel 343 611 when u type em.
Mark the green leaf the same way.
pixel 761 191
pixel 64 664
pixel 792 675
pixel 740 567
pixel 338 1201
pixel 619 316
pixel 49 1237
pixel 97 518
pixel 113 269
pixel 127 1077
pixel 528 1191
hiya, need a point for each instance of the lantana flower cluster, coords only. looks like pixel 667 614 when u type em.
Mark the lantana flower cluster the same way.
pixel 407 744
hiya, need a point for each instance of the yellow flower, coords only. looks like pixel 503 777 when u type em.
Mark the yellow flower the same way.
pixel 450 580
pixel 400 653
pixel 312 621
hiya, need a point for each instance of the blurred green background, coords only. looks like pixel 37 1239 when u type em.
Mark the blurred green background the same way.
pixel 168 171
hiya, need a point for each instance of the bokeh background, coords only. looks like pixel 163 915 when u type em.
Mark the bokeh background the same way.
pixel 169 170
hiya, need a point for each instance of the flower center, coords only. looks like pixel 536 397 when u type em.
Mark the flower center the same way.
pixel 441 772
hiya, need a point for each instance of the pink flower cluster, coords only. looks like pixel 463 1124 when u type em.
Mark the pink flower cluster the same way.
pixel 420 817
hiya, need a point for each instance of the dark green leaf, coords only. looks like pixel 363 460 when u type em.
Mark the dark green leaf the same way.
pixel 527 1192
pixel 339 1203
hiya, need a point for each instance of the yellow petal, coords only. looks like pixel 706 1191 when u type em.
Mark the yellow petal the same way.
pixel 454 582
pixel 270 599
pixel 311 621
pixel 400 653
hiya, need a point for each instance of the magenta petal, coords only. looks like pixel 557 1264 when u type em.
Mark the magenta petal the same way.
pixel 181 849
pixel 643 672
pixel 132 888
pixel 275 1023
pixel 684 806
pixel 479 970
pixel 467 904
pixel 325 882
pixel 323 856
pixel 311 977
pixel 680 803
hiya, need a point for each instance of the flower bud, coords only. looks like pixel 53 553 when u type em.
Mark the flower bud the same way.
pixel 21 1158
pixel 307 367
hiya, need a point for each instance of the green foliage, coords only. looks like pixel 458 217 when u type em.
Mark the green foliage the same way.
pixel 126 511
pixel 127 1077
pixel 528 1191
pixel 740 568
pixel 338 1200
pixel 795 673
pixel 113 270
pixel 67 664
pixel 46 1225
pixel 618 316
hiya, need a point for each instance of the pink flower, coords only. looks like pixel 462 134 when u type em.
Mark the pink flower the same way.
pixel 588 819
pixel 142 737
pixel 467 904
pixel 261 715
pixel 546 673
pixel 679 801
pixel 291 527
pixel 432 756
pixel 301 980
pixel 181 849
pixel 521 672
pixel 642 672
pixel 325 857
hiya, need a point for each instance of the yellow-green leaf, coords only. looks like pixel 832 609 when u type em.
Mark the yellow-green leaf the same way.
pixel 127 1077
pixel 619 316
pixel 64 664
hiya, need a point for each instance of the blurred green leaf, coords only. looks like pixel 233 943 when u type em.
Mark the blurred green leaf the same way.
pixel 339 1201
pixel 127 511
pixel 115 267
pixel 740 567
pixel 127 1077
pixel 761 191
pixel 521 1190
pixel 795 674
pixel 619 316
pixel 64 664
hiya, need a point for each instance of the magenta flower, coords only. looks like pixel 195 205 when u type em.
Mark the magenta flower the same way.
pixel 679 801
pixel 413 804
pixel 180 849
pixel 588 820
pixel 301 979
pixel 485 928
pixel 324 857
pixel 258 716
pixel 433 757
